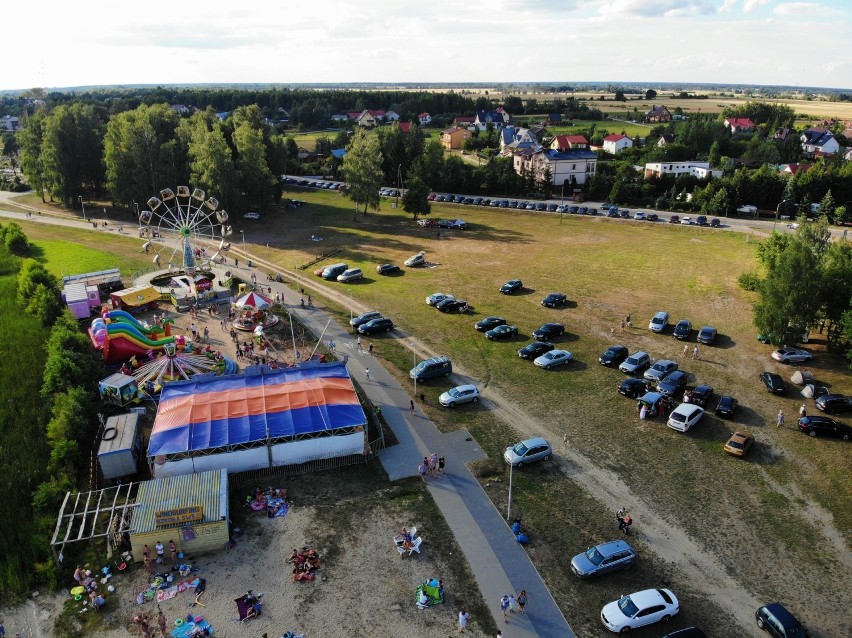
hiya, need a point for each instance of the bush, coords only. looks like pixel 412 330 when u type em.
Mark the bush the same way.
pixel 14 239
pixel 749 281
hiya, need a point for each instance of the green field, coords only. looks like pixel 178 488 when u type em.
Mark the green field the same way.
pixel 608 268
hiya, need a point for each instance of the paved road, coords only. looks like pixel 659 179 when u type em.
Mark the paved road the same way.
pixel 499 564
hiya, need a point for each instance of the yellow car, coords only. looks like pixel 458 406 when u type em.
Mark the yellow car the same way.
pixel 739 444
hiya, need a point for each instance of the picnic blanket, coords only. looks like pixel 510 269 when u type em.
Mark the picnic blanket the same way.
pixel 278 506
pixel 186 629
pixel 433 594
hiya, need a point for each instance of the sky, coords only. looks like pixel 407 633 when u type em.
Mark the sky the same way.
pixel 95 42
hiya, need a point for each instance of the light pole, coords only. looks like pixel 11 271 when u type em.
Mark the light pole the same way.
pixel 136 204
pixel 83 204
pixel 350 309
pixel 245 255
pixel 509 509
pixel 414 349
pixel 777 210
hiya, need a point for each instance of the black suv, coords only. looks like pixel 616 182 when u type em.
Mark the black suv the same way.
pixel 777 621
pixel 613 356
pixel 834 403
pixel 823 426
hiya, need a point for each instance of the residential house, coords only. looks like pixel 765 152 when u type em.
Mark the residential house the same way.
pixel 554 119
pixel 616 143
pixel 576 165
pixel 564 143
pixel 497 119
pixel 454 137
pixel 782 134
pixel 354 115
pixel 701 170
pixel 819 141
pixel 9 123
pixel 338 153
pixel 515 139
pixel 180 109
pixel 368 119
pixel 666 138
pixel 794 168
pixel 739 124
pixel 847 133
pixel 391 116
pixel 539 132
pixel 424 119
pixel 658 114
pixel 467 121
pixel 223 115
pixel 339 117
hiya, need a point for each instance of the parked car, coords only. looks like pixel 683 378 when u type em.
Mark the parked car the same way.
pixel 528 451
pixel 651 217
pixel 603 559
pixel 553 300
pixel 707 335
pixel 436 298
pixel 659 322
pixel 673 384
pixel 613 212
pixel 686 221
pixel 682 330
pixel 674 219
pixel 458 395
pixel 824 426
pixel 778 622
pixel 739 444
pixel 535 349
pixel 715 223
pixel 388 269
pixel 635 363
pixel 382 324
pixel 633 388
pixel 613 356
pixel 452 305
pixel 252 215
pixel 700 395
pixel 432 369
pixel 502 332
pixel 416 260
pixel 574 209
pixel 834 403
pixel 701 220
pixel 458 224
pixel 350 275
pixel 684 416
pixel 773 382
pixel 488 323
pixel 364 318
pixel 444 223
pixel 639 216
pixel 553 358
pixel 689 632
pixel 791 355
pixel 513 285
pixel 548 331
pixel 640 609
pixel 659 370
pixel 726 407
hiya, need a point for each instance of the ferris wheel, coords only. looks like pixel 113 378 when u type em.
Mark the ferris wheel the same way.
pixel 185 230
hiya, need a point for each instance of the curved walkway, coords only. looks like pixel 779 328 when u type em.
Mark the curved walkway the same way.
pixel 499 564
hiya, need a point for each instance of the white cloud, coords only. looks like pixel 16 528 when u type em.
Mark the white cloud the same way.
pixel 727 6
pixel 801 9
pixel 751 5
pixel 658 8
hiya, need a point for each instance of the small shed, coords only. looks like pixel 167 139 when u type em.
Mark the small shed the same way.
pixel 118 389
pixel 191 510
pixel 137 298
pixel 121 446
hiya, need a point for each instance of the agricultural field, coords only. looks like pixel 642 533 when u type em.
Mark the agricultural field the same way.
pixel 778 524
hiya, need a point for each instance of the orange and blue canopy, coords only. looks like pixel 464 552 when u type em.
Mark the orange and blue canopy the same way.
pixel 203 414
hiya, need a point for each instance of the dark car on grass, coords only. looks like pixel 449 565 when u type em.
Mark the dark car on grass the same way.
pixel 388 269
pixel 535 349
pixel 452 305
pixel 674 219
pixel 707 335
pixel 773 382
pixel 553 300
pixel 700 395
pixel 513 285
pixel 488 323
pixel 613 356
pixel 834 403
pixel 673 384
pixel 682 330
pixel 383 324
pixel 778 622
pixel 824 426
pixel 726 407
pixel 633 388
pixel 651 217
pixel 502 332
pixel 548 331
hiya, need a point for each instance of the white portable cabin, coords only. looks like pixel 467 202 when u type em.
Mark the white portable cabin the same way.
pixel 121 446
pixel 81 298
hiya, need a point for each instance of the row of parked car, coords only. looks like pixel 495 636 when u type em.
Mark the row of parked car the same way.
pixel 315 183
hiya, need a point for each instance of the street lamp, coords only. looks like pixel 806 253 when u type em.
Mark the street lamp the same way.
pixel 136 204
pixel 82 203
pixel 245 255
pixel 509 508
pixel 414 349
pixel 350 309
pixel 777 210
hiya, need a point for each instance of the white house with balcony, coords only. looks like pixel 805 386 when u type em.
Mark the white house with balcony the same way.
pixel 701 170
pixel 577 165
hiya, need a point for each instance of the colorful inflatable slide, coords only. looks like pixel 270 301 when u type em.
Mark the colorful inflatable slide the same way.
pixel 121 336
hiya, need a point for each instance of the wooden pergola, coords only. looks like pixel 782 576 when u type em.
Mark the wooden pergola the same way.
pixel 88 516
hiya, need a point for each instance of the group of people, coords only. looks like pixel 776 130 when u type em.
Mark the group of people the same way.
pixel 511 604
pixel 148 630
pixel 161 554
pixel 305 564
pixel 431 466
pixel 624 520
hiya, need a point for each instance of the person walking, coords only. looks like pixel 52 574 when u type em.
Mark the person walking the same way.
pixel 2 628
pixel 685 349
pixel 780 418
pixel 522 598
pixel 441 462
pixel 423 468
pixel 695 352
pixel 173 551
pixel 803 412
pixel 370 349
pixel 565 441
pixel 464 616
pixel 161 621
pixel 358 342
pixel 367 373
pixel 512 604
pixel 504 607
pixel 331 344
pixel 411 406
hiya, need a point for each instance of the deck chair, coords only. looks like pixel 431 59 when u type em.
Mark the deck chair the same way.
pixel 398 538
pixel 415 546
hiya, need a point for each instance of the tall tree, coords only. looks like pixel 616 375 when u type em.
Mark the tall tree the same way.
pixel 362 167
pixel 30 139
pixel 72 152
pixel 415 199
pixel 256 180
pixel 211 163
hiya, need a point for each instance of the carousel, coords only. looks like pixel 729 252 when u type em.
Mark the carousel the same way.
pixel 178 362
pixel 253 312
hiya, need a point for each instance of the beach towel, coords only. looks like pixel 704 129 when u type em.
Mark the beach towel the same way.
pixel 186 629
pixel 242 607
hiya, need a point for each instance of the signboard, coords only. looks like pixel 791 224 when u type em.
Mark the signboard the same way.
pixel 191 514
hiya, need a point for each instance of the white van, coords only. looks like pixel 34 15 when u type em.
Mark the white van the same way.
pixel 353 274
